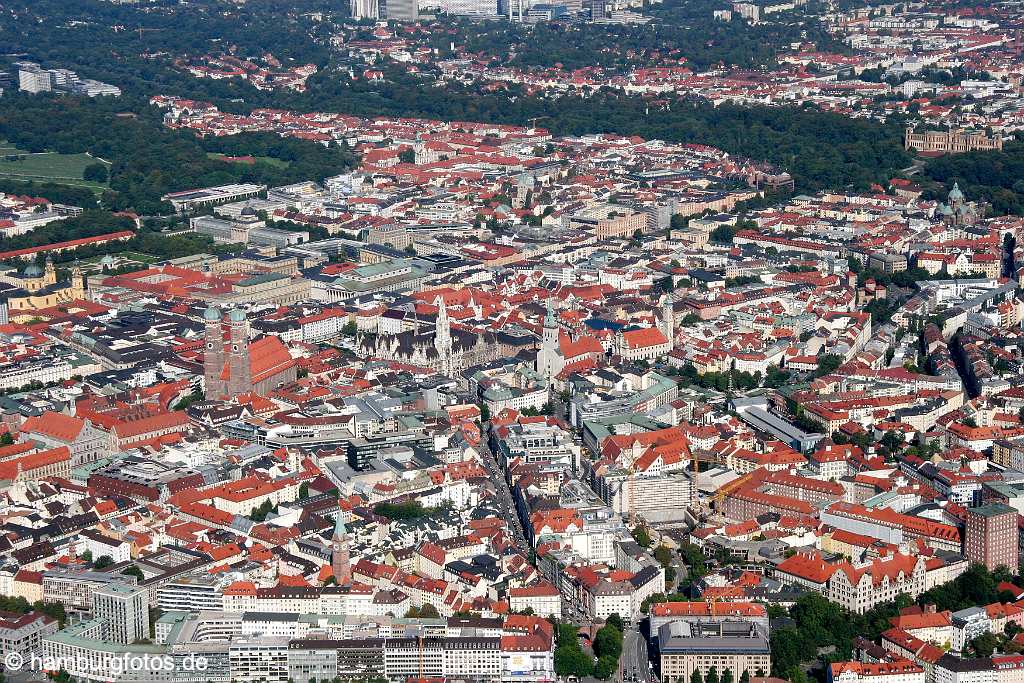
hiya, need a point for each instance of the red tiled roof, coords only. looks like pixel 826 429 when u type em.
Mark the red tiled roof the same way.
pixel 150 424
pixel 643 338
pixel 55 425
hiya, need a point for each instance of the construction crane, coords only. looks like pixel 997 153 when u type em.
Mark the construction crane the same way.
pixel 533 122
pixel 719 496
pixel 721 493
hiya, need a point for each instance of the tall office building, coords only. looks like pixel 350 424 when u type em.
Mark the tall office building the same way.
pixel 33 79
pixel 126 611
pixel 365 9
pixel 991 536
pixel 399 10
pixel 515 10
pixel 471 8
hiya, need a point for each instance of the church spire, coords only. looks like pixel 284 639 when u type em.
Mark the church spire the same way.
pixel 443 336
pixel 548 360
pixel 668 319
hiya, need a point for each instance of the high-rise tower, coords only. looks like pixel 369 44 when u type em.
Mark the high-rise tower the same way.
pixel 546 357
pixel 341 565
pixel 213 356
pixel 239 373
pixel 443 337
pixel 668 319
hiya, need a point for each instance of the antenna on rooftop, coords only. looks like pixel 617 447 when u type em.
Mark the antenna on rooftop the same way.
pixel 533 123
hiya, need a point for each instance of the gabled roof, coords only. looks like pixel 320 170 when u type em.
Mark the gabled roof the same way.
pixel 55 425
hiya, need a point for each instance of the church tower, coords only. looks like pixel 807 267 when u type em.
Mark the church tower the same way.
pixel 668 319
pixel 239 377
pixel 78 285
pixel 547 356
pixel 50 274
pixel 341 565
pixel 443 337
pixel 213 356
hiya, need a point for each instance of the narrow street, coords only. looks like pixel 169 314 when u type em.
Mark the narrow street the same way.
pixel 634 657
pixel 505 501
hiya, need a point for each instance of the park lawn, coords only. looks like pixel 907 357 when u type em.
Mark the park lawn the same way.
pixel 47 167
pixel 270 161
pixel 140 258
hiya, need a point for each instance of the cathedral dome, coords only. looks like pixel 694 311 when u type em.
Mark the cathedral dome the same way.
pixel 956 195
pixel 33 271
pixel 211 314
pixel 236 315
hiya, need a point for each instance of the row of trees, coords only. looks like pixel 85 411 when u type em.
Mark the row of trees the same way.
pixel 412 509
pixel 20 605
pixel 608 648
pixel 95 222
pixel 726 677
pixel 572 660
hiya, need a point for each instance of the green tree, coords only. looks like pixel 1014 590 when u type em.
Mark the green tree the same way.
pixel 132 570
pixel 608 642
pixel 194 397
pixel 54 610
pixel 260 512
pixel 723 234
pixel 96 173
pixel 892 441
pixel 712 676
pixel 797 675
pixel 426 611
pixel 984 645
pixel 694 559
pixel 572 661
pixel 411 509
pixel 827 364
pixel 605 667
pixel 696 676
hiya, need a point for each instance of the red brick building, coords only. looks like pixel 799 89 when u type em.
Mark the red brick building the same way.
pixel 990 537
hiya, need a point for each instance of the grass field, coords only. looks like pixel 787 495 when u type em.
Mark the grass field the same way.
pixel 93 264
pixel 262 160
pixel 136 256
pixel 64 169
